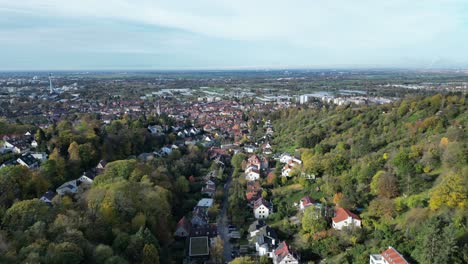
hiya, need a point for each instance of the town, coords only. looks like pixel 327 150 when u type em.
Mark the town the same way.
pixel 249 197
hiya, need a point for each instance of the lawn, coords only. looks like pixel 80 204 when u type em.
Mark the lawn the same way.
pixel 199 246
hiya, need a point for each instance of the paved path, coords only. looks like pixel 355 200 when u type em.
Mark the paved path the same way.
pixel 223 222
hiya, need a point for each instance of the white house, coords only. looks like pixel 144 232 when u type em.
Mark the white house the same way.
pixel 265 240
pixel 284 255
pixel 285 158
pixel 261 208
pixel 252 173
pixel 34 143
pixel 389 256
pixel 344 218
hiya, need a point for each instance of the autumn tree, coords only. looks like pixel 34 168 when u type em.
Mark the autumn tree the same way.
pixel 217 250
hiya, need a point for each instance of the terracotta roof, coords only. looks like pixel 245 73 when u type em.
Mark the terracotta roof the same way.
pixel 342 214
pixel 282 249
pixel 393 257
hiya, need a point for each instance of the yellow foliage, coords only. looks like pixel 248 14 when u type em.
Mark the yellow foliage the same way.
pixel 444 142
pixel 451 192
pixel 337 197
pixel 385 156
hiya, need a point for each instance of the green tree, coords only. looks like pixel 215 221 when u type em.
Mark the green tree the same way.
pixel 435 242
pixel 102 253
pixel 312 221
pixel 64 253
pixel 25 213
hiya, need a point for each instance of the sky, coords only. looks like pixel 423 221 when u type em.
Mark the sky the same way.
pixel 232 34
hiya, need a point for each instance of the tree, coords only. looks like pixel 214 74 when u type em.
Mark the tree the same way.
pixel 25 213
pixel 182 185
pixel 384 185
pixel 217 250
pixel 451 191
pixel 237 160
pixel 242 260
pixel 312 221
pixel 74 152
pixel 102 253
pixel 64 253
pixel 436 242
pixel 150 254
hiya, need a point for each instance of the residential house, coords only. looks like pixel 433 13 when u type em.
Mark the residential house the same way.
pixel 255 227
pixel 47 197
pixel 252 174
pixel 284 255
pixel 205 203
pixel 183 228
pixel 254 161
pixel 40 156
pixel 306 202
pixel 261 208
pixel 87 178
pixel 265 240
pixel 100 166
pixel 344 218
pixel 286 171
pixel 388 256
pixel 209 189
pixel 199 218
pixel 209 230
pixel 28 161
pixel 68 187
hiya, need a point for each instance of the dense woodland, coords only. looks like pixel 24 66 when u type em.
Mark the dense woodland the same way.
pixel 403 167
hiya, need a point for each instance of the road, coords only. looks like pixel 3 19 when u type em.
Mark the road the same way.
pixel 223 222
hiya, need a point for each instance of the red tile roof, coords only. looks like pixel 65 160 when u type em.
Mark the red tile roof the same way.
pixel 342 214
pixel 282 249
pixel 393 257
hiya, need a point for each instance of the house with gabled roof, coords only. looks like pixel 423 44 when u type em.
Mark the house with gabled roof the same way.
pixel 47 197
pixel 28 161
pixel 261 208
pixel 388 256
pixel 345 218
pixel 306 202
pixel 183 228
pixel 285 255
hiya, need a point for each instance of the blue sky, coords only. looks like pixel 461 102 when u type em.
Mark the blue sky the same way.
pixel 222 34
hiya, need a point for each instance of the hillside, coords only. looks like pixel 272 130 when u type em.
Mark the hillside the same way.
pixel 402 167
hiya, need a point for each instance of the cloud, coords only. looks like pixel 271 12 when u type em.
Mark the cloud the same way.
pixel 345 30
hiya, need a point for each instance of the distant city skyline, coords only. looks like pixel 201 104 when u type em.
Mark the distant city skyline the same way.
pixel 222 34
